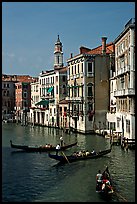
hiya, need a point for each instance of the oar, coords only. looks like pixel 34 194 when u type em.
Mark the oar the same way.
pixel 118 194
pixel 65 157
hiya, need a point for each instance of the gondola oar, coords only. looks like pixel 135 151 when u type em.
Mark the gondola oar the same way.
pixel 65 157
pixel 119 195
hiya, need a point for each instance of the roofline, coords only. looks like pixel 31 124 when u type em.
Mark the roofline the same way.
pixel 132 25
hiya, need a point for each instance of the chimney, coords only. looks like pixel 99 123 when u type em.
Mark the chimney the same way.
pixel 71 55
pixel 104 39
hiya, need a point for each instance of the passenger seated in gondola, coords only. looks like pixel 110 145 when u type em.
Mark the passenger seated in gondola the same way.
pixel 87 152
pixel 106 186
pixel 83 153
pixel 93 152
pixel 79 153
pixel 99 181
pixel 74 154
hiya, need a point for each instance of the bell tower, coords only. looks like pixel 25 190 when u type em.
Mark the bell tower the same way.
pixel 58 54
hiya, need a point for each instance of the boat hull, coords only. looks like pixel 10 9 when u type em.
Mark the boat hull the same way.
pixel 71 158
pixel 40 148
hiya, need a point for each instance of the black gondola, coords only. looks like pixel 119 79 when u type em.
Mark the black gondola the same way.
pixel 104 186
pixel 73 158
pixel 40 148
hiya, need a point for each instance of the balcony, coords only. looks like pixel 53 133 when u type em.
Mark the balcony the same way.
pixel 129 91
pixel 124 92
pixel 123 70
pixel 76 99
pixel 119 92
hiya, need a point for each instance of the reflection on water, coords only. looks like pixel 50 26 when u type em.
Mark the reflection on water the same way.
pixel 31 177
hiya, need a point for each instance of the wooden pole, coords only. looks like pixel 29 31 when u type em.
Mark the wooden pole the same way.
pixel 65 157
pixel 118 194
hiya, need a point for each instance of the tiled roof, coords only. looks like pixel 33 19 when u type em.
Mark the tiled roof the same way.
pixel 98 50
pixel 19 78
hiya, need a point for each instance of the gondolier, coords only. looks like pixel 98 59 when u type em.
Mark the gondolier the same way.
pixel 61 141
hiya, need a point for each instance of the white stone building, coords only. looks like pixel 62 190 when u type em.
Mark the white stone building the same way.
pixel 51 88
pixel 124 91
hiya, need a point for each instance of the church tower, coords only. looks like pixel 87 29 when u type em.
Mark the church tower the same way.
pixel 58 54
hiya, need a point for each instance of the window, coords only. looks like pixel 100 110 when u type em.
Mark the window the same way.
pixel 56 89
pixel 56 78
pixel 63 78
pixel 72 70
pixel 81 67
pixel 78 91
pixel 25 94
pixel 68 71
pixel 58 59
pixel 78 68
pixel 118 122
pixel 75 69
pixel 122 82
pixel 122 62
pixel 90 92
pixel 128 126
pixel 90 67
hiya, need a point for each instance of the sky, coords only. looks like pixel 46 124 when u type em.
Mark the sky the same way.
pixel 30 31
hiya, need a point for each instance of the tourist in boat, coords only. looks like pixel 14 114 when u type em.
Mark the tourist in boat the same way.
pixel 87 152
pixel 93 152
pixel 99 180
pixel 57 149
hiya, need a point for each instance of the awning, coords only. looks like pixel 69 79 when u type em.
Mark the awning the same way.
pixel 50 89
pixel 42 102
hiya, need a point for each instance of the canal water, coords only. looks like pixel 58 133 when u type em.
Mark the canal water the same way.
pixel 34 177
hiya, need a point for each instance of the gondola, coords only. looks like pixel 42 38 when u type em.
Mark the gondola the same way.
pixel 40 148
pixel 104 186
pixel 72 158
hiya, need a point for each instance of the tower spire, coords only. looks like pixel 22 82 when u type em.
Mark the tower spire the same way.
pixel 58 54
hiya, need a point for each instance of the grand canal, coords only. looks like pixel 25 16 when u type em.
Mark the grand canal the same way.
pixel 34 177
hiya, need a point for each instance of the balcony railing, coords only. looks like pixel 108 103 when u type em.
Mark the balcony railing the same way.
pixel 129 91
pixel 123 70
pixel 124 92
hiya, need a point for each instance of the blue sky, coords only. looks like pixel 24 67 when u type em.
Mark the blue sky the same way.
pixel 30 29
